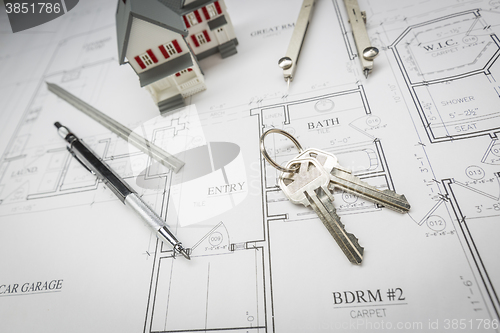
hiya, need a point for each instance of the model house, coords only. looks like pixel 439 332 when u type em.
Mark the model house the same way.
pixel 164 39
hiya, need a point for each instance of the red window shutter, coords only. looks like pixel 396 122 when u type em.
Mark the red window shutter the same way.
pixel 186 22
pixel 207 37
pixel 152 55
pixel 205 12
pixel 139 61
pixel 164 51
pixel 195 41
pixel 198 17
pixel 217 6
pixel 190 69
pixel 177 46
pixel 177 74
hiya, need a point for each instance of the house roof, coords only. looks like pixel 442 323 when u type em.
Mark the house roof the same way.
pixel 180 8
pixel 166 69
pixel 195 5
pixel 173 4
pixel 151 11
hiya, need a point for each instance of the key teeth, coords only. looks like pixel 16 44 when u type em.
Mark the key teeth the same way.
pixel 392 193
pixel 341 168
pixel 355 259
pixel 401 197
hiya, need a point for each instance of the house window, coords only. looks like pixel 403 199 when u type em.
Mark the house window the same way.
pixel 203 37
pixel 170 49
pixel 210 11
pixel 184 71
pixel 200 38
pixel 167 50
pixel 146 59
pixel 193 18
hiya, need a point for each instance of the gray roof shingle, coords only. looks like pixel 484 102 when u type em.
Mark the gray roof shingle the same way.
pixel 148 10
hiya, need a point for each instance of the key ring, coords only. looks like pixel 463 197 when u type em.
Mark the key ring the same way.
pixel 268 158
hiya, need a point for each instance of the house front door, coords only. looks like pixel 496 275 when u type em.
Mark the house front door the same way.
pixel 221 35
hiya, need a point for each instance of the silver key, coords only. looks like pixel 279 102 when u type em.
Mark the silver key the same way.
pixel 343 179
pixel 309 187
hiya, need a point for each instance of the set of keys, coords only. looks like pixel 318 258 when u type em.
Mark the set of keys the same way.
pixel 309 178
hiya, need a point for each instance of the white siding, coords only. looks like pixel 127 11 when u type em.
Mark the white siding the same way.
pixel 229 26
pixel 144 36
pixel 200 27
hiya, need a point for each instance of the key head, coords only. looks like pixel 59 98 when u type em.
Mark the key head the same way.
pixel 309 176
pixel 326 159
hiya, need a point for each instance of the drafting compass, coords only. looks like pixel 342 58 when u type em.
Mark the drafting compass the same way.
pixel 289 62
pixel 357 19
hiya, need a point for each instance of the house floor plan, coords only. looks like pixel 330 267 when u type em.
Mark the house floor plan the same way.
pixel 425 124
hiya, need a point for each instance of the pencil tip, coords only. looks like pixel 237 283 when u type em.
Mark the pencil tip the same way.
pixel 183 251
pixel 185 254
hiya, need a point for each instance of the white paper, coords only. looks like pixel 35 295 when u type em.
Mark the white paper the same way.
pixel 425 123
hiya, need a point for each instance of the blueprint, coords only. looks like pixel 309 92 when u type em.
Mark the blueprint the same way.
pixel 425 124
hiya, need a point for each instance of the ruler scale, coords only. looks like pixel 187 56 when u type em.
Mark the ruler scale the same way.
pixel 146 146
